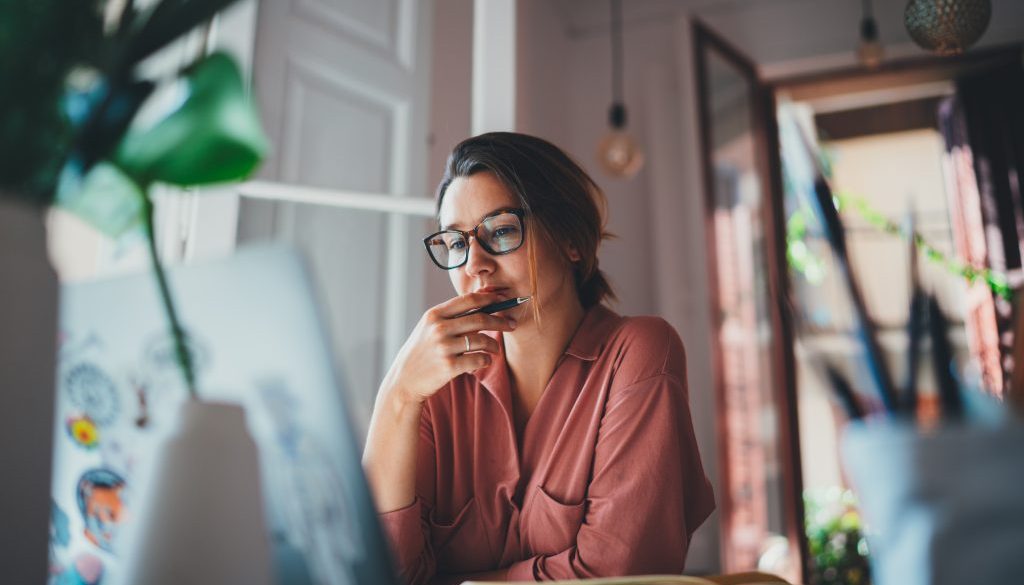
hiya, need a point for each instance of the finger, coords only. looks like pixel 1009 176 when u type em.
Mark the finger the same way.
pixel 477 342
pixel 466 302
pixel 477 322
pixel 470 362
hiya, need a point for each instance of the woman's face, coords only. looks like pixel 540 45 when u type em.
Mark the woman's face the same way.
pixel 467 201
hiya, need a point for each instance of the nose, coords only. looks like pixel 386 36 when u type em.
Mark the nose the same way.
pixel 478 261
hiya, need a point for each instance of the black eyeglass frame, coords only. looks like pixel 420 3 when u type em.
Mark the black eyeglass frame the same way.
pixel 520 213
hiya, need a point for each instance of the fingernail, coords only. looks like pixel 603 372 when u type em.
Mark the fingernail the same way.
pixel 512 323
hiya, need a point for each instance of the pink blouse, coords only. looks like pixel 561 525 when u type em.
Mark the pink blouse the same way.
pixel 605 480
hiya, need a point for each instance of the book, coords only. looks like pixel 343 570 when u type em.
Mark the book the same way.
pixel 640 580
pixel 752 578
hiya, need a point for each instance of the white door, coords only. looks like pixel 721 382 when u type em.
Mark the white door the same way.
pixel 342 86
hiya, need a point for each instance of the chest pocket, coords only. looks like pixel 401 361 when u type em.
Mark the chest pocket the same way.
pixel 549 526
pixel 461 545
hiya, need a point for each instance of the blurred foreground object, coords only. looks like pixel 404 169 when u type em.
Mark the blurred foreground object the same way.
pixel 941 500
pixel 942 508
pixel 72 85
pixel 216 533
pixel 28 332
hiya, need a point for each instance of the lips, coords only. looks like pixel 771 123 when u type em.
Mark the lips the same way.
pixel 492 289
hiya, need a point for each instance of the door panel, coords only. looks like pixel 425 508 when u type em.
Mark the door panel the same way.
pixel 342 87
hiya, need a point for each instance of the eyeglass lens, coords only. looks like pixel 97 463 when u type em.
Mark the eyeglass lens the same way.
pixel 499 234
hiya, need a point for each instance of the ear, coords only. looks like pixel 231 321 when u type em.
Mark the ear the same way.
pixel 573 254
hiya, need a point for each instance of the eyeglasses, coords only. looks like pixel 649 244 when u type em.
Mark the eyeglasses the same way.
pixel 499 233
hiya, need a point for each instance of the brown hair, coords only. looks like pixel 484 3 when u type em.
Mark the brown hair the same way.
pixel 563 204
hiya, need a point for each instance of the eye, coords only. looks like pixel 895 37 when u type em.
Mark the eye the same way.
pixel 505 231
pixel 457 244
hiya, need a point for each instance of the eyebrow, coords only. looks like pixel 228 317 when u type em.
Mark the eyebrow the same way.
pixel 485 216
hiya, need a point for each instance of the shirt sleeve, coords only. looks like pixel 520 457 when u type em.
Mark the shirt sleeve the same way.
pixel 407 529
pixel 648 492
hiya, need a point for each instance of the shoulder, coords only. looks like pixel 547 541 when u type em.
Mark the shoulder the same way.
pixel 645 347
pixel 645 329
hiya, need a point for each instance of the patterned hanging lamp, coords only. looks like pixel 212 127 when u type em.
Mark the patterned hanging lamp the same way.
pixel 947 27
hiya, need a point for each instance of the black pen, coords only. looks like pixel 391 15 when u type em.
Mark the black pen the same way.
pixel 942 363
pixel 916 326
pixel 845 393
pixel 499 306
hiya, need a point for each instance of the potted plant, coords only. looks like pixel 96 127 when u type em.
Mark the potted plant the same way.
pixel 72 89
pixel 835 538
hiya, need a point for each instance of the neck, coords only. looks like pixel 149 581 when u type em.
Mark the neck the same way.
pixel 532 353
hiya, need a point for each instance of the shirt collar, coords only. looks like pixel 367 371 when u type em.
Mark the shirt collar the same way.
pixel 493 377
pixel 586 344
pixel 593 333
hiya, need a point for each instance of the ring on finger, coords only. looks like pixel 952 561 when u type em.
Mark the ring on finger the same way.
pixel 466 337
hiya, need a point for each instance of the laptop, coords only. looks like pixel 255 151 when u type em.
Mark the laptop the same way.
pixel 257 340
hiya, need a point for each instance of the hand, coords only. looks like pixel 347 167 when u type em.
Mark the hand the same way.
pixel 436 350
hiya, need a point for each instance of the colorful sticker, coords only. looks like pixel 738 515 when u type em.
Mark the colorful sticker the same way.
pixel 83 431
pixel 101 500
pixel 86 569
pixel 59 533
pixel 93 392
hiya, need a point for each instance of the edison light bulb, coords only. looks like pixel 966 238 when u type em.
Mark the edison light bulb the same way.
pixel 617 152
pixel 870 52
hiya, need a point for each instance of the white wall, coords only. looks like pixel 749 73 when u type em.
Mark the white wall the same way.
pixel 450 113
pixel 563 93
pixel 542 82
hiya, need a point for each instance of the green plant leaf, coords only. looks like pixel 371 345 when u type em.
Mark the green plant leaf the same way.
pixel 105 198
pixel 40 42
pixel 214 136
pixel 167 21
pixel 110 112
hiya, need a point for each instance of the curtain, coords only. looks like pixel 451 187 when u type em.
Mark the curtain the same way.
pixel 983 128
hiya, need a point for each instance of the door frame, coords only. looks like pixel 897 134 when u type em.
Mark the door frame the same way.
pixel 783 369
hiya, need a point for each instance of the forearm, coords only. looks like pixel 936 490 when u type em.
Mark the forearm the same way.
pixel 390 454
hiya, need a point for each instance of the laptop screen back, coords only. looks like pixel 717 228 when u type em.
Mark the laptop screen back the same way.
pixel 256 339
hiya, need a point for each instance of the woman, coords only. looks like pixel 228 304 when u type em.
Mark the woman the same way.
pixel 549 441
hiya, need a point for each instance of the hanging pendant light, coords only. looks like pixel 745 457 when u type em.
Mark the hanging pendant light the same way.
pixel 947 27
pixel 617 152
pixel 870 52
